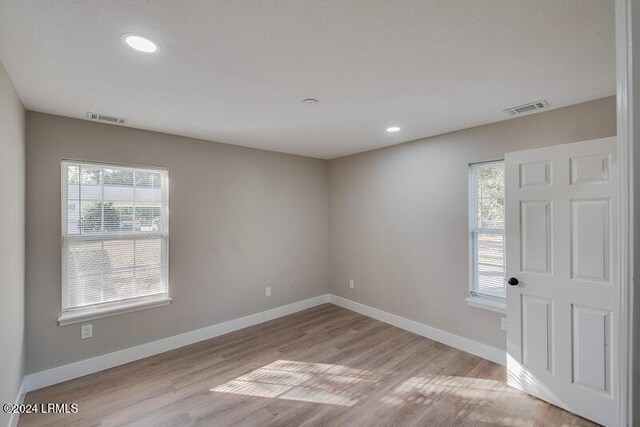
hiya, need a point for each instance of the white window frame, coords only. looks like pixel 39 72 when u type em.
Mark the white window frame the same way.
pixel 71 315
pixel 474 298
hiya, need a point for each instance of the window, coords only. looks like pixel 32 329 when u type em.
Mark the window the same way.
pixel 486 235
pixel 114 239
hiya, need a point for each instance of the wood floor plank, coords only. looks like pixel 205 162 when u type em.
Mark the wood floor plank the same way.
pixel 324 366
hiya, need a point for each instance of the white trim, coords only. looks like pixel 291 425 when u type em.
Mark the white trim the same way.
pixel 461 343
pixel 625 237
pixel 98 163
pixel 14 418
pixel 81 368
pixel 487 304
pixel 81 314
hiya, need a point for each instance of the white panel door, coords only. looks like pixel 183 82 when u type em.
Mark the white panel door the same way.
pixel 563 288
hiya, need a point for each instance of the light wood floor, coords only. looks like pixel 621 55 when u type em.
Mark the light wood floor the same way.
pixel 324 366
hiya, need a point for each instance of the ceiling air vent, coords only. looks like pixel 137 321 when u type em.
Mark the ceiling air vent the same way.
pixel 108 119
pixel 526 108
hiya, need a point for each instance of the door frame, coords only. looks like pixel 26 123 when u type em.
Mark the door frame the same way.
pixel 624 114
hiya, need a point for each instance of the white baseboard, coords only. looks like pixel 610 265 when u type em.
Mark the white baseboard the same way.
pixel 13 420
pixel 81 368
pixel 465 344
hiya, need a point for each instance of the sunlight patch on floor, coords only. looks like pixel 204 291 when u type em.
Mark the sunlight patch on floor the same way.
pixel 308 382
pixel 427 388
pixel 475 399
pixel 494 419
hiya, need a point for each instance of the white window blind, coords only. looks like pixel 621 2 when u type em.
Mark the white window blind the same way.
pixel 486 233
pixel 114 234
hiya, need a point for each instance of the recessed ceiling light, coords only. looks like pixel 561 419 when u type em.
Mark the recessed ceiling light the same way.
pixel 140 43
pixel 393 129
pixel 310 101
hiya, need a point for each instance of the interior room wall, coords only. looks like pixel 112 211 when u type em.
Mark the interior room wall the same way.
pixel 12 245
pixel 399 216
pixel 240 220
pixel 393 219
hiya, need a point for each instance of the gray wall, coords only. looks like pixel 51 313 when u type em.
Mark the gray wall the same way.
pixel 240 219
pixel 12 153
pixel 243 219
pixel 399 216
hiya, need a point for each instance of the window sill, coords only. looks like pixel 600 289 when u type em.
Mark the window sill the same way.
pixel 486 304
pixel 113 309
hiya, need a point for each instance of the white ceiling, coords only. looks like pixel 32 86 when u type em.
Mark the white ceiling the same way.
pixel 236 71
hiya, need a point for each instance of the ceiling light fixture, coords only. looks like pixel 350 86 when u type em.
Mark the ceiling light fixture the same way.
pixel 310 101
pixel 393 129
pixel 140 43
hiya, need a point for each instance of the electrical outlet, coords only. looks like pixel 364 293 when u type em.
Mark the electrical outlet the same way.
pixel 267 291
pixel 291 285
pixel 503 323
pixel 352 284
pixel 86 331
